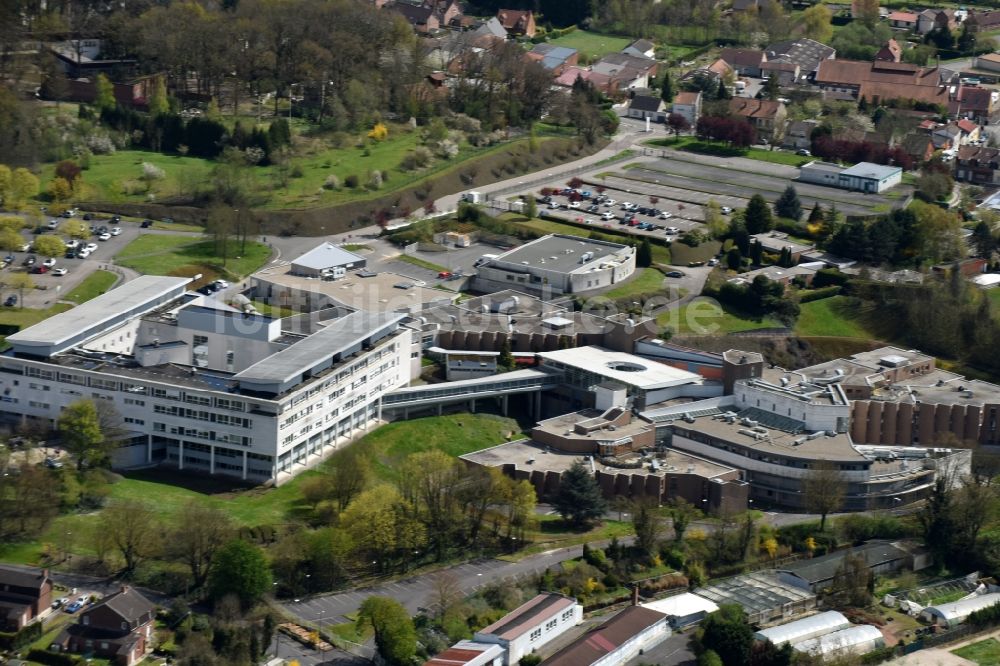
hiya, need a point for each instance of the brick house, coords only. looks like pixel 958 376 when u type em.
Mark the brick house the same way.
pixel 688 104
pixel 890 52
pixel 424 19
pixel 768 116
pixel 24 595
pixel 118 628
pixel 982 21
pixel 518 21
pixel 980 165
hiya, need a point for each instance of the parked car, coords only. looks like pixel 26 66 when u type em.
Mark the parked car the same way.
pixel 74 607
pixel 53 463
pixel 146 224
pixel 726 210
pixel 665 215
pixel 11 301
pixel 607 215
pixel 49 263
pixel 574 204
pixel 9 259
pixel 59 272
pixel 104 237
pixel 116 218
pixel 83 254
pixel 694 264
pixel 672 230
pixel 444 275
pixel 26 247
pixel 610 202
pixel 72 244
pixel 803 152
pixel 40 270
pixel 88 217
pixel 29 260
pixel 90 247
pixel 53 224
pixel 115 231
pixel 713 262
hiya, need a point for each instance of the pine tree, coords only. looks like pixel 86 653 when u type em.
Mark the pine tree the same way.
pixel 506 360
pixel 771 89
pixel 667 91
pixel 788 204
pixel 817 214
pixel 734 259
pixel 723 91
pixel 758 216
pixel 158 102
pixel 757 253
pixel 579 499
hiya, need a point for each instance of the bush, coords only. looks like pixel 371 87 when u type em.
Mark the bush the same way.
pixel 375 180
pixel 818 294
pixel 352 181
pixel 331 182
pixel 26 636
pixel 418 158
pixel 828 276
pixel 54 658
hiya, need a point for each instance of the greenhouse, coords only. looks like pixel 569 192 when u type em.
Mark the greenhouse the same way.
pixel 804 629
pixel 955 613
pixel 857 640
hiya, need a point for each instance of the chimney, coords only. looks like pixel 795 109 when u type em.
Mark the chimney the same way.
pixel 635 595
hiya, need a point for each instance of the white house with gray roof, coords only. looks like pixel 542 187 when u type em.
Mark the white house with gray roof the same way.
pixel 326 260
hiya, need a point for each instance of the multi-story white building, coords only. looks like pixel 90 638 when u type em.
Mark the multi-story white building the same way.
pixel 205 387
pixel 531 625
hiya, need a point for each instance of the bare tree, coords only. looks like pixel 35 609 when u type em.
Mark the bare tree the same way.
pixel 350 474
pixel 132 528
pixel 445 593
pixel 824 487
pixel 195 540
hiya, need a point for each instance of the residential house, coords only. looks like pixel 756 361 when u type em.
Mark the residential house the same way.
pixel 82 58
pixel 616 641
pixel 970 267
pixel 798 134
pixel 979 104
pixel 24 595
pixel 946 137
pixel 519 22
pixel 978 164
pixel 936 19
pixel 531 625
pixel 744 62
pixel 890 52
pixel 917 145
pixel 423 19
pixel 118 628
pixel 879 81
pixel 448 12
pixel 983 21
pixel 788 73
pixel 903 20
pixel 641 48
pixel 554 58
pixel 773 242
pixel 490 30
pixel 785 276
pixel 767 116
pixel 688 104
pixel 647 106
pixel 988 61
pixel 804 52
pixel 970 131
pixel 632 72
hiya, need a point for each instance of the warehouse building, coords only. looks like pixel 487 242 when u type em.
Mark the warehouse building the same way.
pixel 557 264
pixel 327 261
pixel 203 387
pixel 862 177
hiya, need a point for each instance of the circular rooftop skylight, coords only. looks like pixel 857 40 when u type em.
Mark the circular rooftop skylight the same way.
pixel 625 366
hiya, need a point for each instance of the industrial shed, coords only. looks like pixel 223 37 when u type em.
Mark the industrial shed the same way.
pixel 762 596
pixel 956 612
pixel 683 609
pixel 326 260
pixel 804 629
pixel 856 640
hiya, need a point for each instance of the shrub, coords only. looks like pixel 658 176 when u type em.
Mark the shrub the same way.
pixel 331 182
pixel 829 276
pixel 54 658
pixel 352 181
pixel 297 171
pixel 448 149
pixel 818 294
pixel 152 172
pixel 417 158
pixel 379 133
pixel 375 180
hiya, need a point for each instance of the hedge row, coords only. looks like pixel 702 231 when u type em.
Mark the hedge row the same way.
pixel 54 658
pixel 818 294
pixel 14 640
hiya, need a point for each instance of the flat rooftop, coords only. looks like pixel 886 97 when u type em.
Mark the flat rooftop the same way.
pixel 380 292
pixel 871 170
pixel 624 368
pixel 604 431
pixel 779 442
pixel 327 255
pixel 98 312
pixel 520 452
pixel 858 368
pixel 458 318
pixel 777 240
pixel 512 302
pixel 562 254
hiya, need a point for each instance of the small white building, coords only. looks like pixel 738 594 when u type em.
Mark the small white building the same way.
pixel 531 625
pixel 460 364
pixel 856 640
pixel 647 106
pixel 621 638
pixel 804 629
pixel 956 612
pixel 688 105
pixel 683 609
pixel 987 280
pixel 862 177
pixel 326 260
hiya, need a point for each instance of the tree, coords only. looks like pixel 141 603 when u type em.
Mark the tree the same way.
pixel 647 524
pixel 10 240
pixel 853 582
pixel 734 259
pixel 315 489
pixel 722 92
pixel 936 520
pixel 50 246
pixel 506 359
pixel 75 229
pixel 579 498
pixel 23 186
pixel 349 475
pixel 68 170
pixel 983 240
pixel 240 569
pixel 395 635
pixel 54 85
pixel 133 528
pixel 158 102
pixel 788 204
pixel 667 91
pixel 681 514
pixel 727 633
pixel 678 123
pixel 815 23
pixel 59 190
pixel 644 254
pixel 757 216
pixel 867 12
pixel 105 99
pixel 772 88
pixel 80 430
pixel 530 207
pixel 198 536
pixel 823 487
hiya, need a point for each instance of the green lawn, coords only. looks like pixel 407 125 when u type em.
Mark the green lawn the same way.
pixel 591 44
pixel 984 653
pixel 92 286
pixel 829 317
pixel 25 317
pixel 645 281
pixel 994 295
pixel 275 311
pixel 693 144
pixel 682 255
pixel 117 178
pixel 416 261
pixel 160 254
pixel 704 316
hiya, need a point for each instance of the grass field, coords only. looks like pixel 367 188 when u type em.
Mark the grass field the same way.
pixel 422 263
pixel 92 286
pixel 707 317
pixel 117 178
pixel 591 44
pixel 275 311
pixel 830 317
pixel 645 281
pixel 682 255
pixel 159 254
pixel 984 653
pixel 693 144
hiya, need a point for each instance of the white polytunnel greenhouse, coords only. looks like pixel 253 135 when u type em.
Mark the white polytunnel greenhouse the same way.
pixel 955 613
pixel 857 640
pixel 804 629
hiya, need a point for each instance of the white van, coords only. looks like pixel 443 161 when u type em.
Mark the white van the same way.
pixel 485 258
